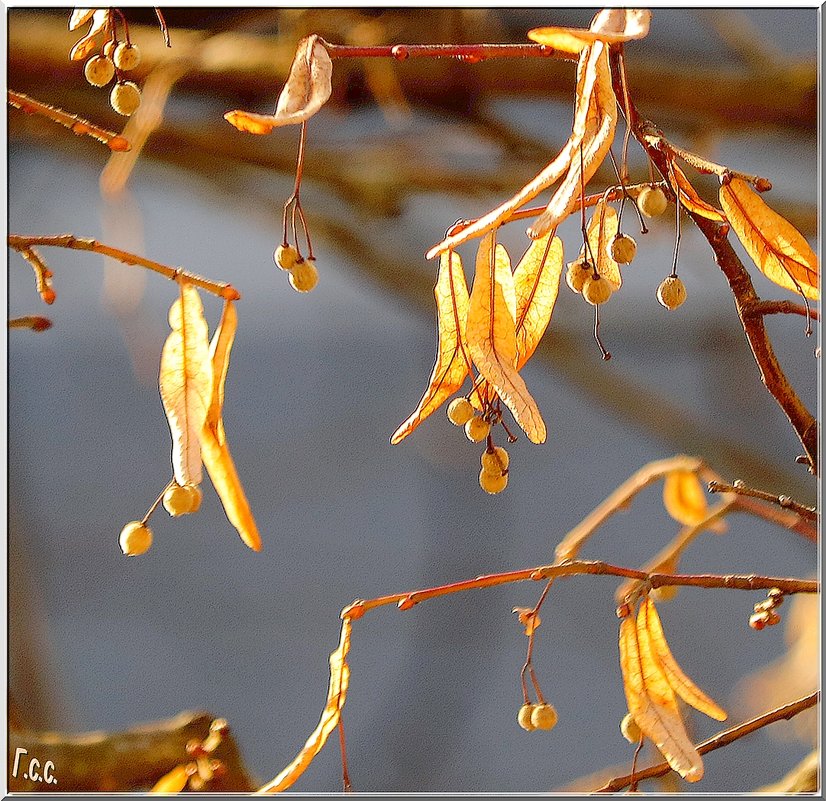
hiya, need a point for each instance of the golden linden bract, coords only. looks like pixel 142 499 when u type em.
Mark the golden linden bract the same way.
pixel 684 497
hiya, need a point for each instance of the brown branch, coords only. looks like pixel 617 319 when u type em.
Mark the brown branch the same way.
pixel 123 761
pixel 745 296
pixel 720 740
pixel 22 243
pixel 784 501
pixel 471 53
pixel 765 307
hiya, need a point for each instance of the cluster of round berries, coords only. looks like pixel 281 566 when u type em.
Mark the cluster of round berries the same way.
pixel 537 716
pixel 303 272
pixel 136 536
pixel 583 278
pixel 117 57
pixel 493 477
pixel 765 613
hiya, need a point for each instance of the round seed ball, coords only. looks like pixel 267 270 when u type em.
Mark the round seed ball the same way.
pixel 578 273
pixel 99 70
pixel 671 293
pixel 495 461
pixel 476 429
pixel 544 716
pixel 184 500
pixel 135 538
pixel 630 730
pixel 125 98
pixel 285 257
pixel 127 56
pixel 459 411
pixel 493 483
pixel 524 717
pixel 623 249
pixel 652 201
pixel 304 276
pixel 596 290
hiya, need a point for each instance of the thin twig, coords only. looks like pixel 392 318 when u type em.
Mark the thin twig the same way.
pixel 784 501
pixel 469 53
pixel 718 741
pixel 21 243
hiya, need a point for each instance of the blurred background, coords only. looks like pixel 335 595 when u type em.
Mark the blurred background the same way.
pixel 318 383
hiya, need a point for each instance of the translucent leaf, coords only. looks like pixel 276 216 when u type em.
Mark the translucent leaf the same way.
pixel 308 88
pixel 689 197
pixel 684 497
pixel 680 683
pixel 600 125
pixel 491 337
pixel 568 40
pixel 536 281
pixel 172 782
pixel 89 43
pixel 186 382
pixel 224 477
pixel 452 361
pixel 79 16
pixel 336 696
pixel 219 350
pixel 657 721
pixel 777 248
pixel 586 78
pixel 609 25
pixel 602 228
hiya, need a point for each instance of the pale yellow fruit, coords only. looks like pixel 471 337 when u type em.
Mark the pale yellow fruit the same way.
pixel 671 293
pixel 630 730
pixel 285 257
pixel 495 461
pixel 493 483
pixel 596 290
pixel 544 716
pixel 459 411
pixel 99 70
pixel 135 538
pixel 304 276
pixel 623 249
pixel 578 273
pixel 652 201
pixel 125 98
pixel 524 717
pixel 184 500
pixel 127 56
pixel 476 429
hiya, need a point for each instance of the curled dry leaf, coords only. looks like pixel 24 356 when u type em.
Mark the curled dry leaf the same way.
pixel 172 782
pixel 186 382
pixel 491 337
pixel 308 88
pixel 452 361
pixel 649 619
pixel 89 43
pixel 79 16
pixel 611 25
pixel 336 696
pixel 650 704
pixel 689 197
pixel 684 497
pixel 536 280
pixel 778 249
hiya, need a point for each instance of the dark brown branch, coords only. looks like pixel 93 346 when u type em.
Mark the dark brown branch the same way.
pixel 764 307
pixel 718 741
pixel 123 761
pixel 784 501
pixel 745 296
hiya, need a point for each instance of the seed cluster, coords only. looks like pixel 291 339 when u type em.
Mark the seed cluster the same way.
pixel 765 612
pixel 116 59
pixel 537 716
pixel 303 272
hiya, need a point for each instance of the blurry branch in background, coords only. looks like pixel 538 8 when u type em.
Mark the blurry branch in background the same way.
pixel 126 761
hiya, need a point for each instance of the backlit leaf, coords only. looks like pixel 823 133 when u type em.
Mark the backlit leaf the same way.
pixel 79 16
pixel 689 197
pixel 308 88
pixel 586 78
pixel 452 361
pixel 568 40
pixel 172 782
pixel 186 382
pixel 536 280
pixel 600 125
pixel 219 350
pixel 89 43
pixel 684 497
pixel 336 696
pixel 491 337
pixel 777 248
pixel 659 722
pixel 609 25
pixel 680 683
